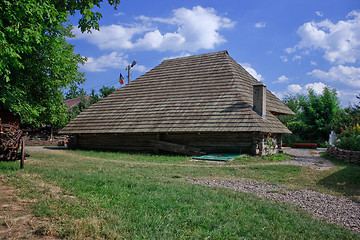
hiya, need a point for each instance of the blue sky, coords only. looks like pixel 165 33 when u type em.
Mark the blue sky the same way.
pixel 288 45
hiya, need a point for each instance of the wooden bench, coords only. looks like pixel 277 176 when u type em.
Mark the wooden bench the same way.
pixel 304 145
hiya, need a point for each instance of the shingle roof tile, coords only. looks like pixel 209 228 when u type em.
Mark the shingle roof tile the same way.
pixel 201 93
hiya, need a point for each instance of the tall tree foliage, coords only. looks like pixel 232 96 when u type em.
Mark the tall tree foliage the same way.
pixel 84 102
pixel 36 62
pixel 294 123
pixel 106 91
pixel 84 99
pixel 74 91
pixel 358 106
pixel 316 115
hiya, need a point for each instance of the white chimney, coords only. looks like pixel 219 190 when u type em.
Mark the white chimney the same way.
pixel 259 98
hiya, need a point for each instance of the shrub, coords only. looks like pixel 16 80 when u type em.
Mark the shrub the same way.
pixel 349 139
pixel 289 139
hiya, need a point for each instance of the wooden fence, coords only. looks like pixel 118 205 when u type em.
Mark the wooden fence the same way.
pixel 344 155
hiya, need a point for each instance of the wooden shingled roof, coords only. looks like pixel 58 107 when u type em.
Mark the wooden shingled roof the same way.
pixel 202 93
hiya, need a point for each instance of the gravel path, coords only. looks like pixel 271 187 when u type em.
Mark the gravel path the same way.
pixel 306 157
pixel 339 210
pixel 301 157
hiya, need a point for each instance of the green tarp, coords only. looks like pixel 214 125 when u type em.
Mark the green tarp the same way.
pixel 219 157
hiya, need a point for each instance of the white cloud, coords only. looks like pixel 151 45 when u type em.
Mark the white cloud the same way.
pixel 340 41
pixel 284 58
pixel 346 74
pixel 155 40
pixel 294 89
pixel 313 63
pixel 194 29
pixel 289 50
pixel 317 87
pixel 296 57
pixel 348 97
pixel 249 69
pixel 320 14
pixel 150 20
pixel 119 14
pixel 112 60
pixel 282 79
pixel 182 54
pixel 279 95
pixel 112 36
pixel 260 24
pixel 140 68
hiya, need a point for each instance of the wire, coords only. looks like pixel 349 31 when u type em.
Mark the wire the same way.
pixel 101 85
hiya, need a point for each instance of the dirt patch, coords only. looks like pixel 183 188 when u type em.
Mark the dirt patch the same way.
pixel 16 219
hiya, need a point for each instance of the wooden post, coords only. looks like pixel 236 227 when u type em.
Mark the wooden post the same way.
pixel 129 73
pixel 279 142
pixel 22 153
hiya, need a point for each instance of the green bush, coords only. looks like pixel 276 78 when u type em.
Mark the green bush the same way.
pixel 349 139
pixel 289 139
pixel 322 144
pixel 349 143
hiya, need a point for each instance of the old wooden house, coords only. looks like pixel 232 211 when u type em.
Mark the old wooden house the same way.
pixel 192 105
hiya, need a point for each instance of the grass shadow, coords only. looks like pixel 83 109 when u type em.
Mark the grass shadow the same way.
pixel 346 180
pixel 55 147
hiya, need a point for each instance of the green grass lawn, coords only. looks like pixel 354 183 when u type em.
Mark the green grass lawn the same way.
pixel 108 195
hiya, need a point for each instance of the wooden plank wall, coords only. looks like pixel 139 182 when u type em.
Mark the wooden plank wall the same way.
pixel 207 142
pixel 116 142
pixel 213 142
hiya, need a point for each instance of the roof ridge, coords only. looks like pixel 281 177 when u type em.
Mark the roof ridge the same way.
pixel 198 55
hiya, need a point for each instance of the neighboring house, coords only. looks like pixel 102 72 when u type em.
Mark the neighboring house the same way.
pixel 199 104
pixel 71 103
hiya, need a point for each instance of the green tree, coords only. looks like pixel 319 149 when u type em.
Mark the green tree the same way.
pixel 319 112
pixel 74 91
pixel 106 91
pixel 358 106
pixel 94 97
pixel 36 62
pixel 316 115
pixel 293 122
pixel 84 102
pixel 294 104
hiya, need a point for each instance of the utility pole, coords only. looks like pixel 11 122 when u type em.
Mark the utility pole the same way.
pixel 128 68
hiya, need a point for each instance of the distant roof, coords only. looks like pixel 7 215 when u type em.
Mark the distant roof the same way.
pixel 202 93
pixel 70 103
